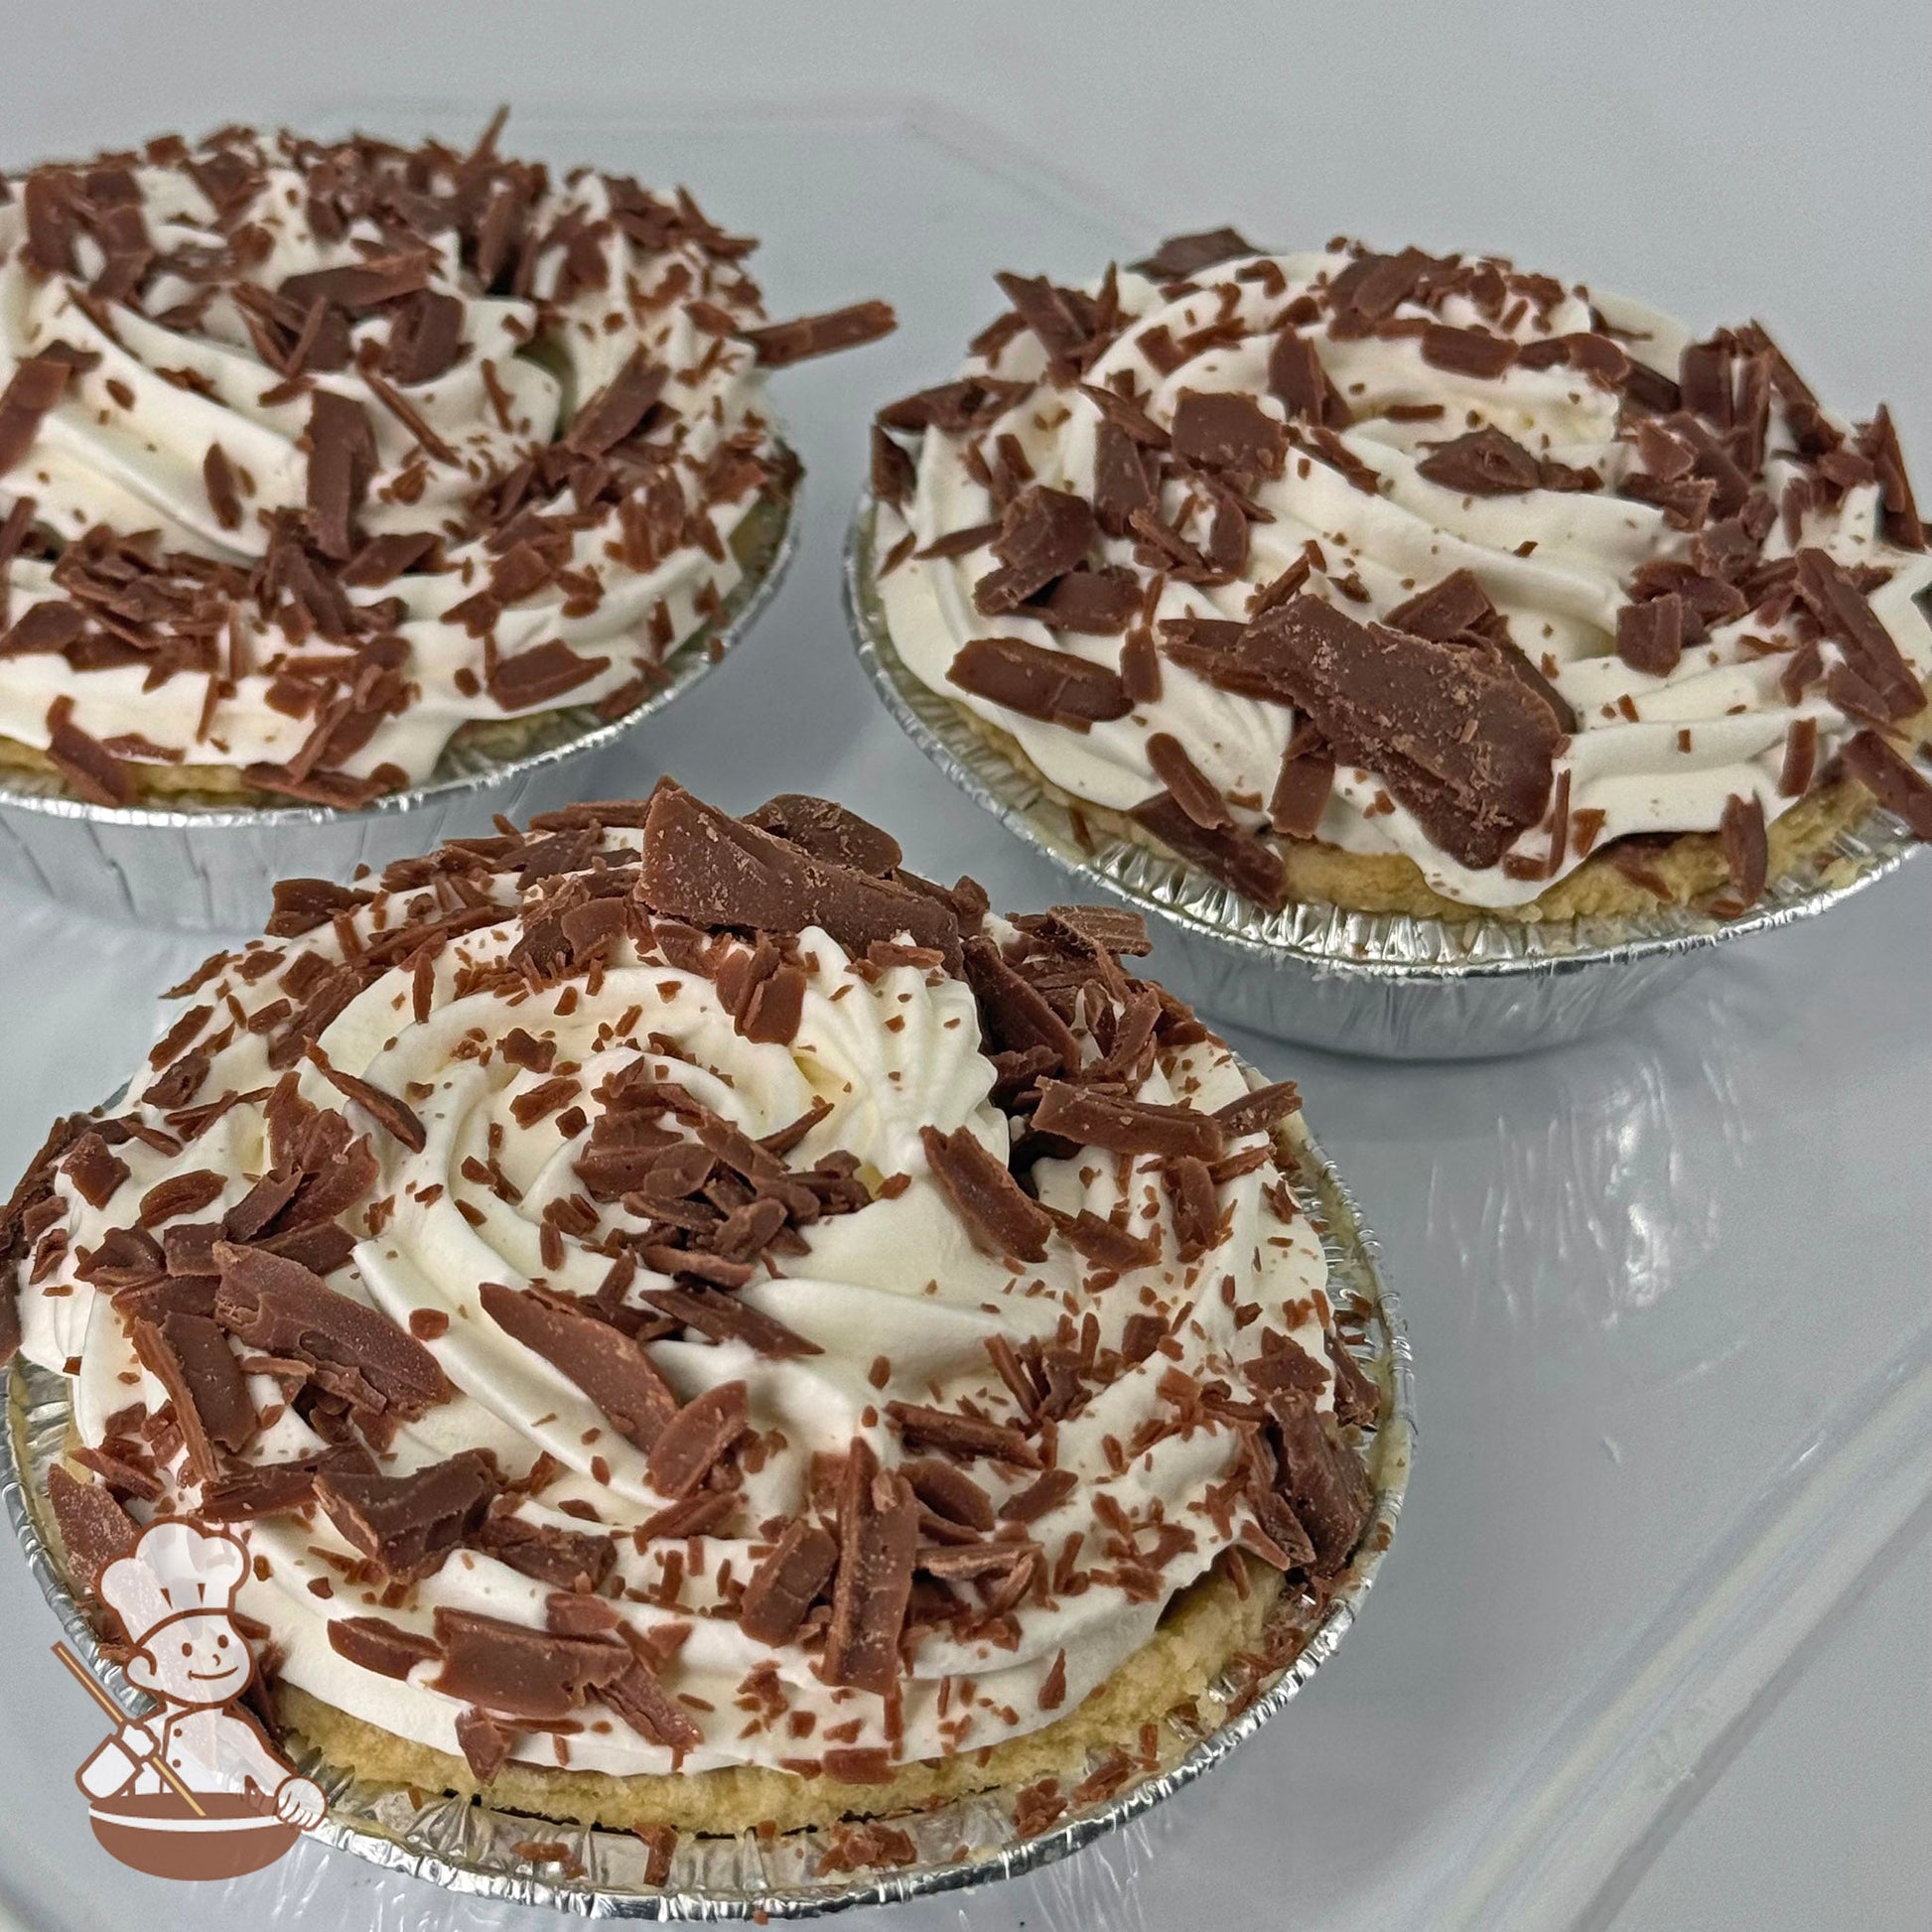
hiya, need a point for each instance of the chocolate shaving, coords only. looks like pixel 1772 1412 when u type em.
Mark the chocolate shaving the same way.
pixel 1001 1217
pixel 1236 857
pixel 785 1584
pixel 1225 430
pixel 1042 535
pixel 1054 686
pixel 702 865
pixel 616 409
pixel 1122 1125
pixel 513 1671
pixel 1300 383
pixel 1898 786
pixel 1900 519
pixel 406 1524
pixel 1845 614
pixel 277 1306
pixel 341 460
pixel 424 337
pixel 691 1443
pixel 723 1317
pixel 780 344
pixel 1321 1478
pixel 34 387
pixel 374 1643
pixel 84 760
pixel 1650 635
pixel 569 1560
pixel 878 1538
pixel 540 675
pixel 190 1358
pixel 1484 462
pixel 486 1746
pixel 830 832
pixel 1466 747
pixel 391 1114
pixel 1187 783
pixel 94 1529
pixel 1182 255
pixel 610 1368
pixel 967 1436
pixel 1262 1110
pixel 646 1706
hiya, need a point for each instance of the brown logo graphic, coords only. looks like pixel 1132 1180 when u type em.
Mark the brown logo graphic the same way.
pixel 193 1791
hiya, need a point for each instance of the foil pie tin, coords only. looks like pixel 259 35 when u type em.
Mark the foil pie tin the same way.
pixel 1390 986
pixel 211 868
pixel 470 1849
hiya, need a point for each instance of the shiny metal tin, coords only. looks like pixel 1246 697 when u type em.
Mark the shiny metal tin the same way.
pixel 470 1848
pixel 1387 985
pixel 211 868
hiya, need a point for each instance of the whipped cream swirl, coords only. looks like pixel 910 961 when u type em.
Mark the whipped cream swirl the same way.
pixel 311 455
pixel 1632 463
pixel 436 1042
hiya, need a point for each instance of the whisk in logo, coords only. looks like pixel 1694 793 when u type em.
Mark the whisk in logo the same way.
pixel 195 1790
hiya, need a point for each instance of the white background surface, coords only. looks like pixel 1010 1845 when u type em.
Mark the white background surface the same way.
pixel 1647 1278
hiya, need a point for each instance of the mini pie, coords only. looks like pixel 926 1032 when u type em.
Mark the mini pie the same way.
pixel 699 1326
pixel 1413 584
pixel 315 457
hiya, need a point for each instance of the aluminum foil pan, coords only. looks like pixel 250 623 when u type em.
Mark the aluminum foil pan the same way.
pixel 470 1848
pixel 1388 985
pixel 210 868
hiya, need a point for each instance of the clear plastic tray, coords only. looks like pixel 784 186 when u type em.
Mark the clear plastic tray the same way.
pixel 1669 1286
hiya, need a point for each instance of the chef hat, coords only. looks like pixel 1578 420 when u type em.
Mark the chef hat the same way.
pixel 176 1567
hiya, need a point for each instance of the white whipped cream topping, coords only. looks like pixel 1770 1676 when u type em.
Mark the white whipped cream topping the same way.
pixel 897 1296
pixel 125 448
pixel 1650 754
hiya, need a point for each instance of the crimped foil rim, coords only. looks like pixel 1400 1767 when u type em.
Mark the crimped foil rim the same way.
pixel 454 1838
pixel 694 660
pixel 1363 946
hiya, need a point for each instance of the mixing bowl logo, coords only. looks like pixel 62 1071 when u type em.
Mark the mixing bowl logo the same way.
pixel 195 1790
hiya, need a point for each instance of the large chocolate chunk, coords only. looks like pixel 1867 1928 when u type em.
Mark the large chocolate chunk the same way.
pixel 1465 746
pixel 611 1369
pixel 406 1524
pixel 280 1307
pixel 702 865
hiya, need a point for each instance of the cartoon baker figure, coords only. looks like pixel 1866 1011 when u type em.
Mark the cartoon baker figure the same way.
pixel 175 1595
